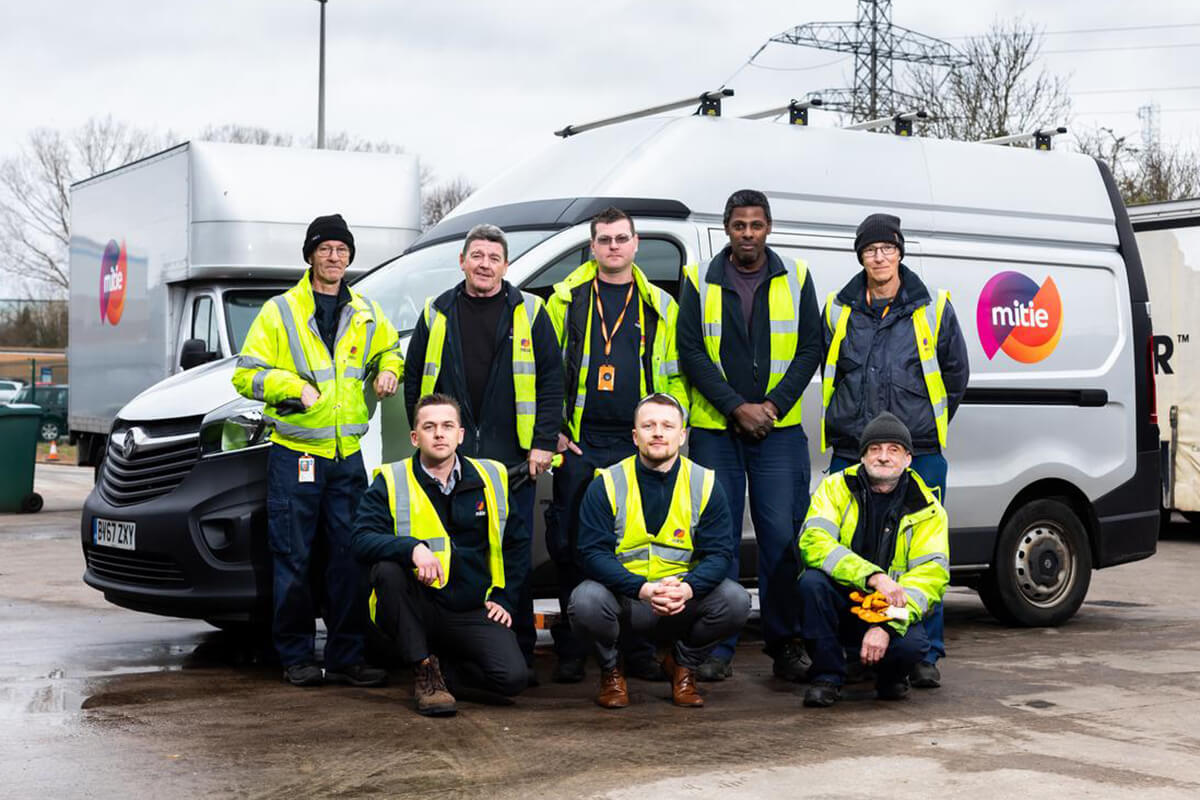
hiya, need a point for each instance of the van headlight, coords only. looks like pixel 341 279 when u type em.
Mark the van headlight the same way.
pixel 234 426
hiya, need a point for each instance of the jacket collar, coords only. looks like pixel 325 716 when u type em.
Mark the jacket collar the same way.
pixel 917 497
pixel 913 292
pixel 584 274
pixel 304 291
pixel 716 267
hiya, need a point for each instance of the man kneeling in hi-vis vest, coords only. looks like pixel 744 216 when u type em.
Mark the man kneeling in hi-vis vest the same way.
pixel 443 549
pixel 655 546
pixel 874 527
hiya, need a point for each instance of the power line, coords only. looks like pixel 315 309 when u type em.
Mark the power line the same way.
pixel 1134 111
pixel 1139 89
pixel 1096 30
pixel 798 69
pixel 1122 47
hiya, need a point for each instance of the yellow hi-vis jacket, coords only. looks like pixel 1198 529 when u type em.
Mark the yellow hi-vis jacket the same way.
pixel 927 324
pixel 667 551
pixel 783 302
pixel 413 515
pixel 921 563
pixel 283 351
pixel 664 358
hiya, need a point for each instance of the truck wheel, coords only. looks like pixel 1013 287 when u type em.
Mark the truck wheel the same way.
pixel 1042 568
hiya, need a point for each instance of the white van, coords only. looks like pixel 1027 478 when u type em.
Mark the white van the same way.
pixel 1054 454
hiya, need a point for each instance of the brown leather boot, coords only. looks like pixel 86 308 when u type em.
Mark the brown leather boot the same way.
pixel 683 684
pixel 430 692
pixel 613 691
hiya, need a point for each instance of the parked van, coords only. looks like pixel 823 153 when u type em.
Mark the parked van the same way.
pixel 1054 453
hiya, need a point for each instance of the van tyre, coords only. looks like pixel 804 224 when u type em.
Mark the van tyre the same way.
pixel 1042 568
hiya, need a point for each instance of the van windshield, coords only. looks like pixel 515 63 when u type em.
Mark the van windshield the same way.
pixel 241 307
pixel 402 286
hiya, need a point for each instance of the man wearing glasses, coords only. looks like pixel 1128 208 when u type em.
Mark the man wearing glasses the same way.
pixel 892 346
pixel 617 334
pixel 306 356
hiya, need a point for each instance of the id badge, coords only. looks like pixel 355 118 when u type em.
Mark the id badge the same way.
pixel 606 376
pixel 306 469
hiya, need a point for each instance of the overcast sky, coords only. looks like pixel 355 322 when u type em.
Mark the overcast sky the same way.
pixel 472 86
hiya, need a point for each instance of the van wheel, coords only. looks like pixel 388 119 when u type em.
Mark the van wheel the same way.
pixel 1043 566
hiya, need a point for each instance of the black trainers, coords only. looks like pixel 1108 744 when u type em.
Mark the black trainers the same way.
pixel 822 694
pixel 892 689
pixel 646 668
pixel 714 669
pixel 791 662
pixel 307 674
pixel 569 669
pixel 925 676
pixel 357 675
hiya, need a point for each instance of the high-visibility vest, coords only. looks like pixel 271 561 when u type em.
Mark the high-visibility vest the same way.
pixel 668 551
pixel 927 324
pixel 664 357
pixel 284 352
pixel 524 367
pixel 920 562
pixel 414 515
pixel 783 301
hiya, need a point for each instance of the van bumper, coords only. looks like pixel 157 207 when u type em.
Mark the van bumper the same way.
pixel 1128 518
pixel 201 549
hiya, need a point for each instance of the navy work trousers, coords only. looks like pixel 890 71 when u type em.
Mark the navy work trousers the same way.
pixel 521 503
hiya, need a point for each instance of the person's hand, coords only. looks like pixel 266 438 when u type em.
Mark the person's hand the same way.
pixel 429 569
pixel 309 395
pixel 887 587
pixel 772 411
pixel 386 384
pixel 648 591
pixel 874 645
pixel 496 613
pixel 539 461
pixel 564 443
pixel 673 596
pixel 753 420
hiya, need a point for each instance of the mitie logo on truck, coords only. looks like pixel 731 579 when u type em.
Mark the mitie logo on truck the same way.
pixel 1019 317
pixel 113 277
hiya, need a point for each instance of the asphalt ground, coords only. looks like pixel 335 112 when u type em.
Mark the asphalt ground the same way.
pixel 96 701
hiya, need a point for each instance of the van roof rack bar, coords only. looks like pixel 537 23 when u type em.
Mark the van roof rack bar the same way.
pixel 1041 138
pixel 797 111
pixel 901 124
pixel 710 106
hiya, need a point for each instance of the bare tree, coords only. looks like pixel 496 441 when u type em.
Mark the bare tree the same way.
pixel 1144 174
pixel 245 134
pixel 35 191
pixel 441 200
pixel 1002 92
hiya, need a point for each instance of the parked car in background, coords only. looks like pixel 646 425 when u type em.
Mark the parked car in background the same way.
pixel 53 400
pixel 8 390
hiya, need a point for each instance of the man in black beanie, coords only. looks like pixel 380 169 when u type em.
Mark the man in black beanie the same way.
pixel 891 345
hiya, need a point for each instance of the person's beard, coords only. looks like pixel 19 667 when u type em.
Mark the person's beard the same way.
pixel 879 482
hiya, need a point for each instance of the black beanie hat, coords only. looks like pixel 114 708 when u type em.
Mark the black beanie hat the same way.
pixel 327 229
pixel 878 228
pixel 885 428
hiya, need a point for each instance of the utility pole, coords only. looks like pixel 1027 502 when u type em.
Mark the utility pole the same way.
pixel 321 84
pixel 1148 115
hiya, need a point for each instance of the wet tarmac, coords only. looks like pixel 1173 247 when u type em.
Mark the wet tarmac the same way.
pixel 96 701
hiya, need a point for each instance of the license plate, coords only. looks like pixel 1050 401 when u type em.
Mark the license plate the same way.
pixel 112 533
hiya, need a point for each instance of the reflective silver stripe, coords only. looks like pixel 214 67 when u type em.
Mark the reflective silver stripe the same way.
pixel 493 475
pixel 894 574
pixel 437 544
pixel 348 312
pixel 917 597
pixel 931 318
pixel 293 335
pixel 531 305
pixel 524 368
pixel 259 385
pixel 430 368
pixel 367 346
pixel 671 553
pixel 250 362
pixel 784 326
pixel 526 408
pixel 585 362
pixel 696 493
pixel 671 367
pixel 400 483
pixel 293 431
pixel 355 429
pixel 712 329
pixel 939 407
pixel 831 560
pixel 323 374
pixel 354 373
pixel 641 554
pixel 621 495
pixel 835 311
pixel 779 367
pixel 936 558
pixel 827 525
pixel 580 398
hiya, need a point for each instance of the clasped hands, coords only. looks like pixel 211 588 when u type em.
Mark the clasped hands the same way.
pixel 666 597
pixel 755 420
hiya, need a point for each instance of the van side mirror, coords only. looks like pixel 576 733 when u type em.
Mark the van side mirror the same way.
pixel 193 354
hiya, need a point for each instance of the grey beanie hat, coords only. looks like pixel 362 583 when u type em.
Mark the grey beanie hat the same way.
pixel 885 428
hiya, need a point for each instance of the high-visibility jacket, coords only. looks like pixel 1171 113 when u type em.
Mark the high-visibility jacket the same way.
pixel 669 550
pixel 414 515
pixel 783 302
pixel 664 358
pixel 920 563
pixel 284 351
pixel 524 366
pixel 927 325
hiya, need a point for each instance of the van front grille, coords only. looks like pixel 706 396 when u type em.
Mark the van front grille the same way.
pixel 147 460
pixel 146 569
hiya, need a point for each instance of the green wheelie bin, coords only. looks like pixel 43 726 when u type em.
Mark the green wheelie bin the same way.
pixel 18 442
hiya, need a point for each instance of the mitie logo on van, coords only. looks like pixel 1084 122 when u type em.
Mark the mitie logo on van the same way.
pixel 1019 317
pixel 113 277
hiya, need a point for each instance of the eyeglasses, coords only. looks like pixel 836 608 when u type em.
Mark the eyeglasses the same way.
pixel 620 240
pixel 882 249
pixel 326 250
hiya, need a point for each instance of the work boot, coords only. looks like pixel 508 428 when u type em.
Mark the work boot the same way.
pixel 306 674
pixel 429 690
pixel 822 694
pixel 646 668
pixel 683 684
pixel 925 676
pixel 791 662
pixel 569 669
pixel 714 669
pixel 613 691
pixel 357 675
pixel 891 688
